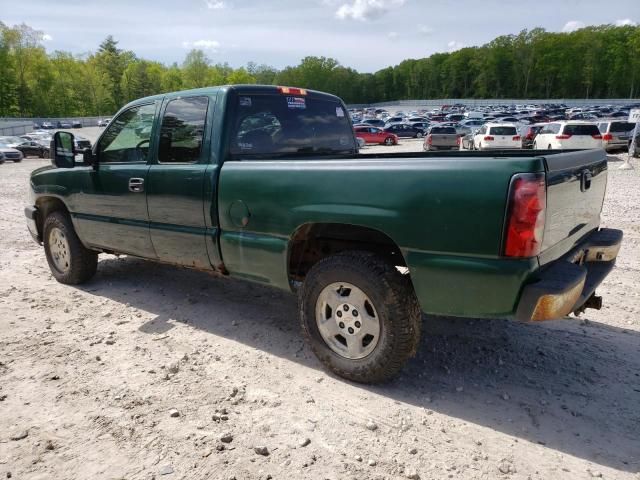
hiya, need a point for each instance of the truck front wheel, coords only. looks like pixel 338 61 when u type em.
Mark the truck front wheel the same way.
pixel 69 261
pixel 360 316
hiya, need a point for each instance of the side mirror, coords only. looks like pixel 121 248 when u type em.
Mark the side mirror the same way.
pixel 63 152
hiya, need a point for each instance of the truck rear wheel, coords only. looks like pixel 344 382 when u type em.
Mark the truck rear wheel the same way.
pixel 360 316
pixel 69 261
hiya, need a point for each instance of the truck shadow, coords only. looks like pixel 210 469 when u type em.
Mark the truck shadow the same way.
pixel 572 385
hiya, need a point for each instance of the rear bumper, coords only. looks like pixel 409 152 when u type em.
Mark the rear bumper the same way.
pixel 32 216
pixel 567 283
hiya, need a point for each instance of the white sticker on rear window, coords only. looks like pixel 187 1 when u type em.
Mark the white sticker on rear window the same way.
pixel 339 112
pixel 245 101
pixel 245 145
pixel 296 103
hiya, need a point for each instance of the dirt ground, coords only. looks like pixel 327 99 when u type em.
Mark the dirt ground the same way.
pixel 151 371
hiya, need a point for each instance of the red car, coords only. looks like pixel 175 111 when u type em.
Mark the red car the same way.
pixel 376 135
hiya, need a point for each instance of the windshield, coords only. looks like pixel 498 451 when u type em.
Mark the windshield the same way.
pixel 502 131
pixel 581 129
pixel 275 124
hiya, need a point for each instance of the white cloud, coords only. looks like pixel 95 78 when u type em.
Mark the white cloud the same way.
pixel 366 9
pixel 393 35
pixel 625 21
pixel 573 25
pixel 46 37
pixel 212 45
pixel 453 45
pixel 214 4
pixel 424 30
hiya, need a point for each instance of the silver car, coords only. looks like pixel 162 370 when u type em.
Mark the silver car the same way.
pixel 615 134
pixel 8 153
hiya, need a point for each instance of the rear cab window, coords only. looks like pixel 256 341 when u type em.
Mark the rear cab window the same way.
pixel 271 124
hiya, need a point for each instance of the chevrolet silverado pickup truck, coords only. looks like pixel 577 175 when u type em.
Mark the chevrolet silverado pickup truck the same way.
pixel 266 184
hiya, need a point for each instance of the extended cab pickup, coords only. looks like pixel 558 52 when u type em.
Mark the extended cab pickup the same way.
pixel 266 184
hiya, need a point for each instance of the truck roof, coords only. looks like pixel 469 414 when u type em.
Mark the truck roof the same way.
pixel 243 88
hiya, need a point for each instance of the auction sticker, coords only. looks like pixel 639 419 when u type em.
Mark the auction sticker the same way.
pixel 339 112
pixel 296 103
pixel 245 101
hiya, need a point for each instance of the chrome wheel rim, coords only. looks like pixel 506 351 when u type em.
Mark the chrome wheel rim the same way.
pixel 59 249
pixel 347 320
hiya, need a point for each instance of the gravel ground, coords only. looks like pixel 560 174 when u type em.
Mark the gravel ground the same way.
pixel 151 371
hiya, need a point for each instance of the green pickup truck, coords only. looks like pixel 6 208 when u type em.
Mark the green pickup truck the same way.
pixel 266 184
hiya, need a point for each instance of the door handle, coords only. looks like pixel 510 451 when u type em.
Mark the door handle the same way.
pixel 136 185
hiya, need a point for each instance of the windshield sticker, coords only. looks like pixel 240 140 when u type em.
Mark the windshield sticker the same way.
pixel 245 101
pixel 339 112
pixel 245 146
pixel 296 103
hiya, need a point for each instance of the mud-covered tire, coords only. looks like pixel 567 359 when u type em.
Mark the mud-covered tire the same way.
pixel 395 304
pixel 82 262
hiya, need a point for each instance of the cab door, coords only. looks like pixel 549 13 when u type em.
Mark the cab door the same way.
pixel 182 182
pixel 112 211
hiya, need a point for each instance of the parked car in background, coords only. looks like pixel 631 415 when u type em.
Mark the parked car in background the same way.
pixel 494 136
pixel 103 122
pixel 396 119
pixel 528 134
pixel 76 124
pixel 29 148
pixel 80 143
pixel 615 134
pixel 405 130
pixel 441 138
pixel 375 135
pixel 375 122
pixel 47 126
pixel 568 135
pixel 63 124
pixel 423 125
pixel 8 153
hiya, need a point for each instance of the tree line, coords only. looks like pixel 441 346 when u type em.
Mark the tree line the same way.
pixel 593 62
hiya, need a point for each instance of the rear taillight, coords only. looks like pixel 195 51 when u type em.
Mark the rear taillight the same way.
pixel 563 137
pixel 597 137
pixel 525 215
pixel 516 138
pixel 607 136
pixel 430 140
pixel 488 138
pixel 458 139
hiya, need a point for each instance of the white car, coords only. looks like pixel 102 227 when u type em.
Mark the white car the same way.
pixel 568 136
pixel 497 136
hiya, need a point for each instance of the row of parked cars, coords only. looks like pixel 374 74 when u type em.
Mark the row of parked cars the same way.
pixel 34 144
pixel 103 122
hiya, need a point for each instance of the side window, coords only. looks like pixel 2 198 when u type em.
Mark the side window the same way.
pixel 126 139
pixel 602 127
pixel 182 130
pixel 555 128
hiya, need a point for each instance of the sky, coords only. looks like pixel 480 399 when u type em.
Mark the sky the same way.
pixel 364 34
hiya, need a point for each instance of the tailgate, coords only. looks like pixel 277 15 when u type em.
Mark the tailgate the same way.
pixel 576 184
pixel 444 140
